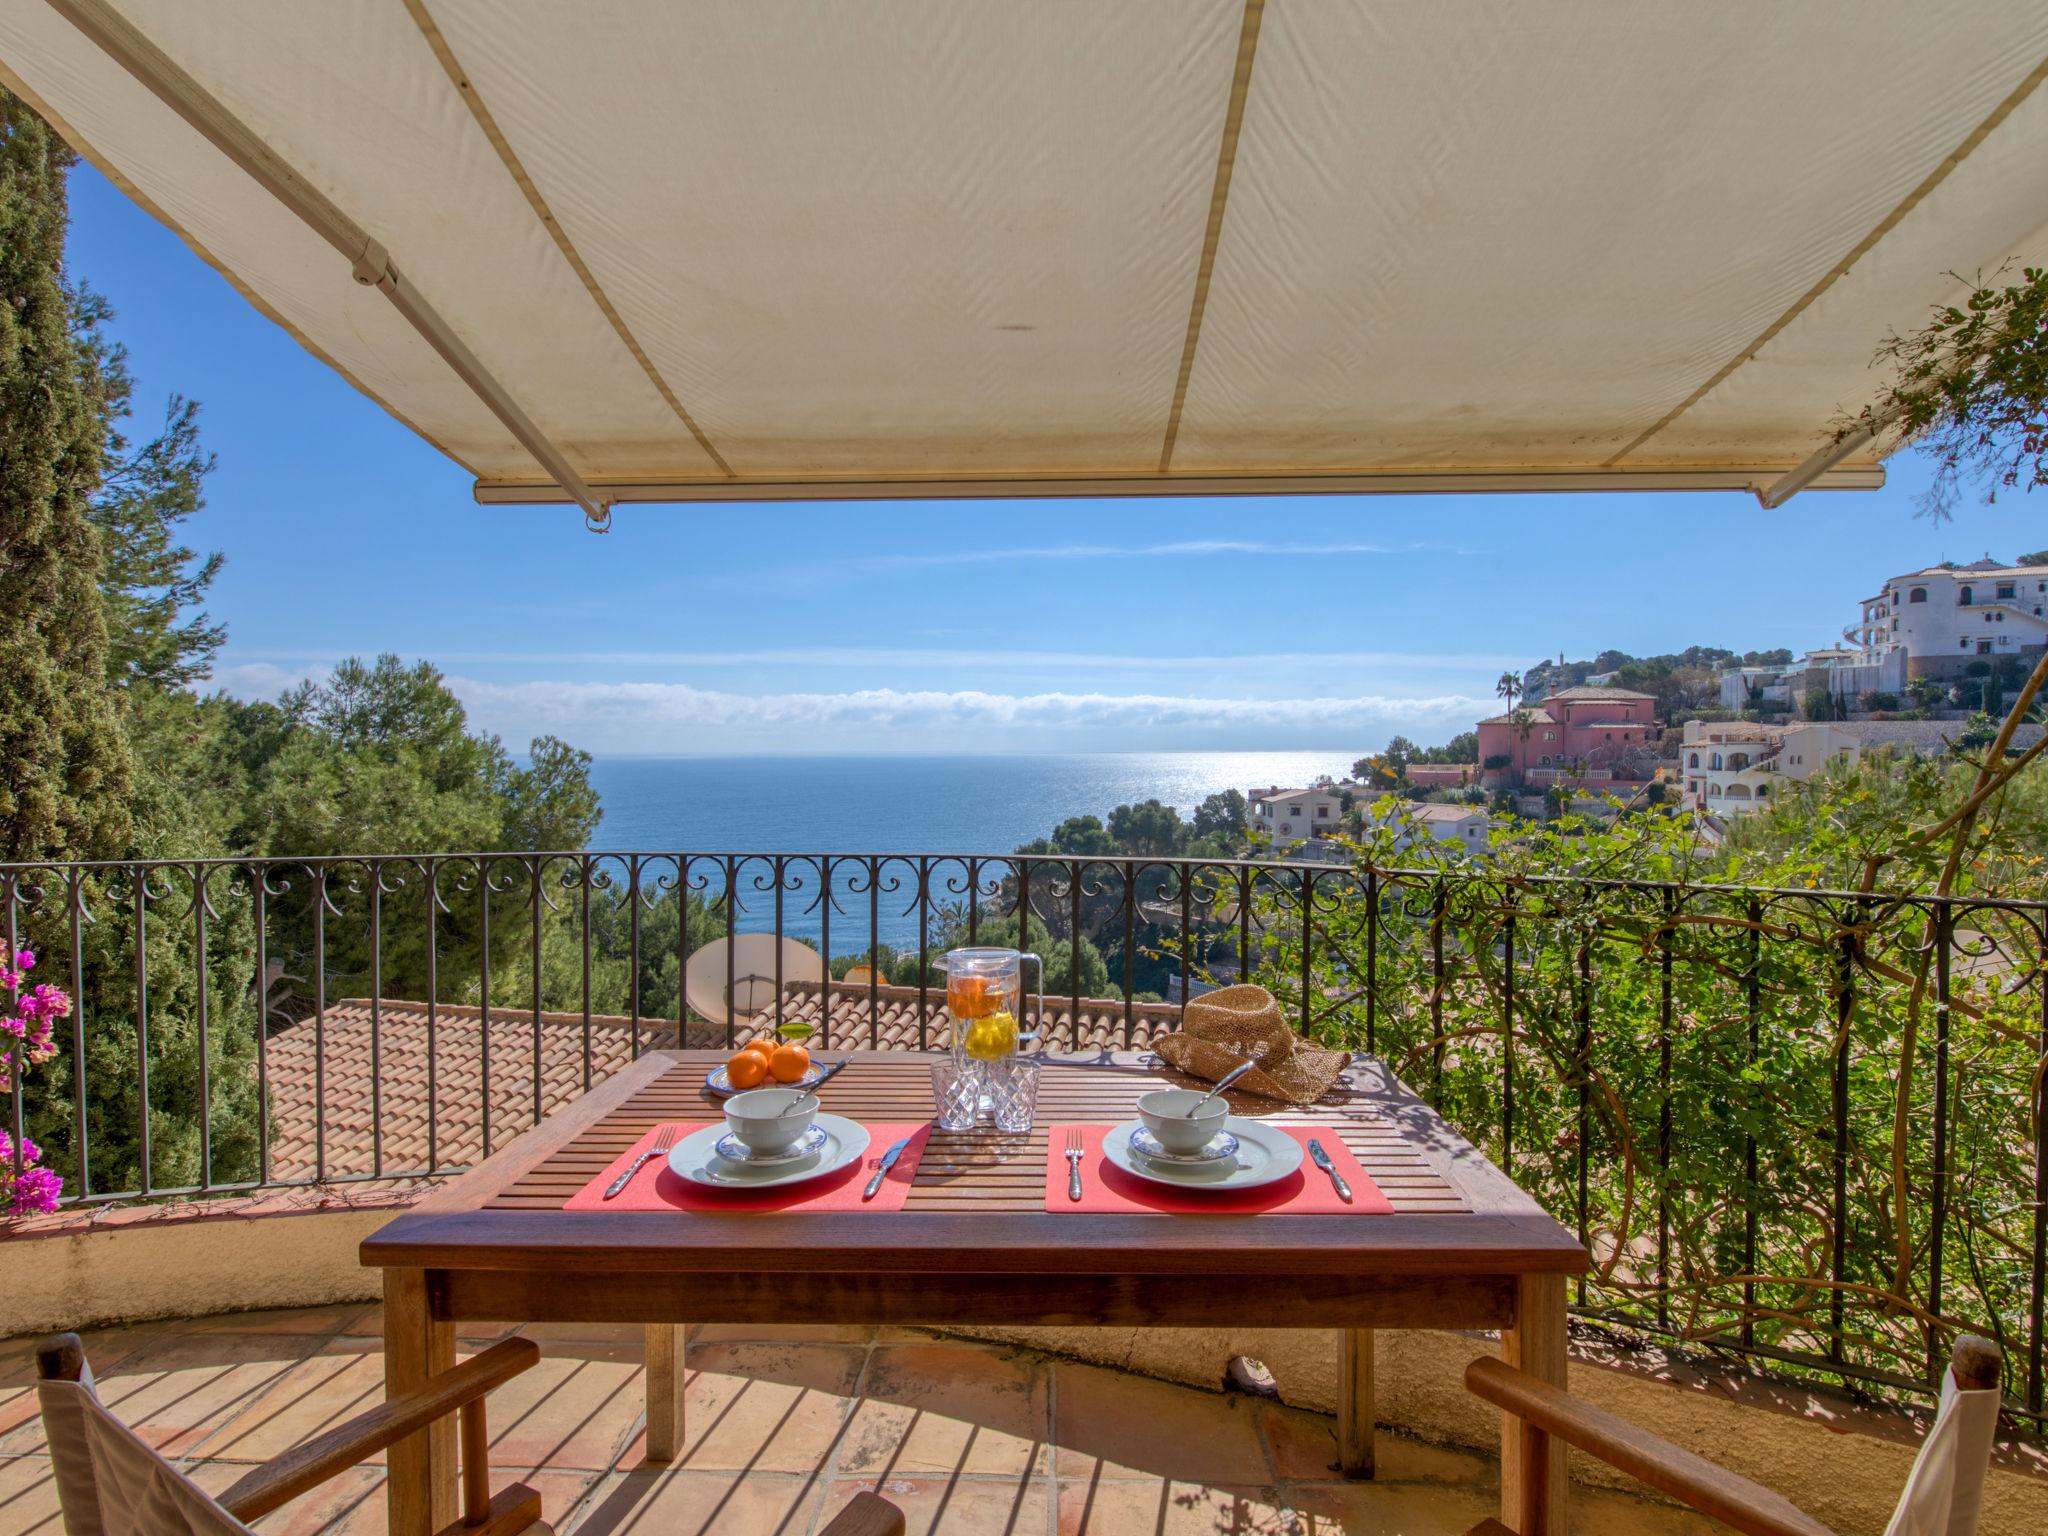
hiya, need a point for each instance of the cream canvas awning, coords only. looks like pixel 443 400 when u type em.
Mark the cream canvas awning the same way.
pixel 747 249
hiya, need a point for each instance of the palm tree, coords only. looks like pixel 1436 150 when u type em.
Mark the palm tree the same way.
pixel 1509 687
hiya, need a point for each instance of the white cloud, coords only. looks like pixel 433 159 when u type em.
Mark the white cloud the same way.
pixel 668 717
pixel 675 717
pixel 922 658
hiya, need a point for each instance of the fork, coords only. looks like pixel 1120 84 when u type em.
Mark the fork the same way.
pixel 1073 1164
pixel 659 1149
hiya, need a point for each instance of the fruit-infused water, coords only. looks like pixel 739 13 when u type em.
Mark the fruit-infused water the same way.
pixel 984 1002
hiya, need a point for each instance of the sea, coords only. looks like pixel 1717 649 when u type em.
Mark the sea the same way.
pixel 896 804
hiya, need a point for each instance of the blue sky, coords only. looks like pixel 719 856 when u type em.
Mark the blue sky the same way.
pixel 1012 626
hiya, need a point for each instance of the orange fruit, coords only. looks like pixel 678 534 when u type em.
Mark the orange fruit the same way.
pixel 748 1069
pixel 764 1047
pixel 789 1063
pixel 973 997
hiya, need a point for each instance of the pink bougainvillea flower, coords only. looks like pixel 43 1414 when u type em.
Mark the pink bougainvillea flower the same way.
pixel 36 1192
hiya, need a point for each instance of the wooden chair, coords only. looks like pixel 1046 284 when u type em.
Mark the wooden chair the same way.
pixel 110 1483
pixel 1942 1495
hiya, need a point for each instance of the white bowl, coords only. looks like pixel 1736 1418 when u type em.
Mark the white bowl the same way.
pixel 768 1121
pixel 1165 1114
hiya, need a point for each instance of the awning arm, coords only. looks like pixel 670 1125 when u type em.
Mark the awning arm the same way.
pixel 1793 481
pixel 1408 482
pixel 371 264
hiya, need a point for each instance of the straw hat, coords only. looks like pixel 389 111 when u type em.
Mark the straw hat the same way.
pixel 1221 1029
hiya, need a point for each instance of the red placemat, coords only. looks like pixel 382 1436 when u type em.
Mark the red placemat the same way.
pixel 656 1188
pixel 1305 1192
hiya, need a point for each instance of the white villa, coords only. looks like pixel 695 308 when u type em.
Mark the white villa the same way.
pixel 1944 617
pixel 1463 826
pixel 1287 816
pixel 1732 766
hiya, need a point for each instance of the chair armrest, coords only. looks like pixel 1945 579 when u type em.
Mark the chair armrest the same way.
pixel 1714 1491
pixel 868 1515
pixel 312 1462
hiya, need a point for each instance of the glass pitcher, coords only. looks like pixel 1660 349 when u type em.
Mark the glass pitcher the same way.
pixel 985 1007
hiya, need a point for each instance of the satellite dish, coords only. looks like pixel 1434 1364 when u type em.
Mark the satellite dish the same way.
pixel 753 975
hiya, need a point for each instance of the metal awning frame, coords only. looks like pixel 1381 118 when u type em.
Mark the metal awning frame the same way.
pixel 369 263
pixel 1762 482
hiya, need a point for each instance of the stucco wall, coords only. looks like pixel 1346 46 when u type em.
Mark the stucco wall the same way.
pixel 119 1272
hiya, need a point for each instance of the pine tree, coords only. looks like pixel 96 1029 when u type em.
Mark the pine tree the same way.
pixel 151 583
pixel 64 766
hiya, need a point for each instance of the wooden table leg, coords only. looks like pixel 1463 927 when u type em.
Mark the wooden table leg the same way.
pixel 421 1482
pixel 1532 1467
pixel 665 1381
pixel 1354 1402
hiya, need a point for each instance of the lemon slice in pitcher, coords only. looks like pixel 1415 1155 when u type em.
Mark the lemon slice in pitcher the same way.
pixel 991 1038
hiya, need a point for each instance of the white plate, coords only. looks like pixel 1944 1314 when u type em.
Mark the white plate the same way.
pixel 721 1085
pixel 695 1158
pixel 1265 1155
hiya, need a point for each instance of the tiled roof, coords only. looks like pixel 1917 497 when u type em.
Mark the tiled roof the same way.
pixel 344 1057
pixel 1533 717
pixel 324 1076
pixel 1584 691
pixel 1434 811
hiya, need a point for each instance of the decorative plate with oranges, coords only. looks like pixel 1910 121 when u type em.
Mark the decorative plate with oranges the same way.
pixel 764 1063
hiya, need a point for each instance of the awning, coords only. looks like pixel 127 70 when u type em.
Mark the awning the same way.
pixel 627 249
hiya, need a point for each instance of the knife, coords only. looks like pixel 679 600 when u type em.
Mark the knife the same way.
pixel 888 1161
pixel 1322 1161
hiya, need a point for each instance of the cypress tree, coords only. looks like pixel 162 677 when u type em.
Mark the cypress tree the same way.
pixel 64 765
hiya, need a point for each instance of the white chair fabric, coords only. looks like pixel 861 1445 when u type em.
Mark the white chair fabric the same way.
pixel 1944 1493
pixel 109 1481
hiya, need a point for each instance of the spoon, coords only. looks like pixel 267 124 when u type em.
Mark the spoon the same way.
pixel 1222 1083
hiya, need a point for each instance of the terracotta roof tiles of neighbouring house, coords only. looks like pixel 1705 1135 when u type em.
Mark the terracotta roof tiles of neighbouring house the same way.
pixel 1584 691
pixel 1436 812
pixel 339 1081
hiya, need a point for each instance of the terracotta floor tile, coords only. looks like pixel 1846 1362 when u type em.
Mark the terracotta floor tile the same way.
pixel 1374 1509
pixel 948 1408
pixel 28 1497
pixel 330 1507
pixel 946 1506
pixel 646 1503
pixel 316 1320
pixel 764 1407
pixel 1160 1507
pixel 174 1391
pixel 1302 1445
pixel 633 1335
pixel 780 1333
pixel 577 1409
pixel 560 1492
pixel 369 1323
pixel 322 1391
pixel 1109 1425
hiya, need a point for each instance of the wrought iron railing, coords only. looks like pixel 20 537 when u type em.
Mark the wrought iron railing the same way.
pixel 1704 1081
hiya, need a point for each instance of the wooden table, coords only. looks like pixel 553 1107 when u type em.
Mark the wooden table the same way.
pixel 973 1244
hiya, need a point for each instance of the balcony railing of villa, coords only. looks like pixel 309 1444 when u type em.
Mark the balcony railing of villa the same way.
pixel 1798 1126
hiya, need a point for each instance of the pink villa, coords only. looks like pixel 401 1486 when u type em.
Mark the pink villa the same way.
pixel 1602 734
